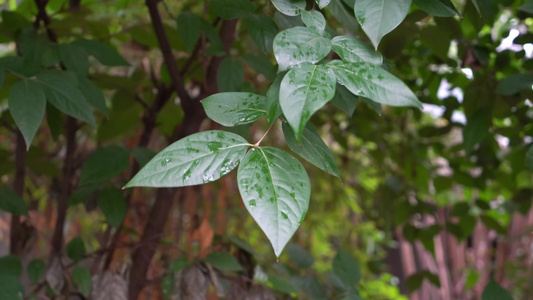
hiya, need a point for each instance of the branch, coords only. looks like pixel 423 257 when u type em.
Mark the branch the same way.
pixel 68 173
pixel 166 50
pixel 16 244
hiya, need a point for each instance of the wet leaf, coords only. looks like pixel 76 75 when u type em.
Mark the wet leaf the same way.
pixel 303 91
pixel 275 189
pixel 367 80
pixel 290 7
pixel 27 103
pixel 232 109
pixel 351 49
pixel 322 3
pixel 196 159
pixel 379 17
pixel 314 19
pixel 312 148
pixel 298 45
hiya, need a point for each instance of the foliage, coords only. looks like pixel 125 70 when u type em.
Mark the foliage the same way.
pixel 427 136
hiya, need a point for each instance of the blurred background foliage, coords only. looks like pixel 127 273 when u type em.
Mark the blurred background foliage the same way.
pixel 430 205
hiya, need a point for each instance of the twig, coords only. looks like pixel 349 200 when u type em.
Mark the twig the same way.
pixel 264 135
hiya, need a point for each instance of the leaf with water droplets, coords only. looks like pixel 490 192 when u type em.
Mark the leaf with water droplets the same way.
pixel 379 17
pixel 314 19
pixel 298 45
pixel 290 7
pixel 198 158
pixel 322 3
pixel 303 91
pixel 312 148
pixel 275 189
pixel 354 50
pixel 368 80
pixel 232 109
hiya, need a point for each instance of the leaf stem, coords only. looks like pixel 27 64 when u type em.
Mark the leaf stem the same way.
pixel 261 139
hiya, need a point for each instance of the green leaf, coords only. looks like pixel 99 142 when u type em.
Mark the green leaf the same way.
pixel 61 89
pixel 347 269
pixel 105 163
pixel 529 159
pixel 35 270
pixel 262 30
pixel 142 155
pixel 231 9
pixel 273 108
pixel 527 6
pixel 178 264
pixel 231 109
pixel 282 285
pixel 10 272
pixel 75 58
pixel 298 45
pixel 82 279
pixel 438 8
pixel 196 159
pixel 472 278
pixel 261 65
pixel 103 52
pixel 351 49
pixel 322 3
pixel 223 261
pixel 189 29
pixel 12 203
pixel 344 100
pixel 2 77
pixel 230 75
pixel 76 249
pixel 303 91
pixel 493 291
pixel 10 265
pixel 92 94
pixel 476 129
pixel 345 16
pixel 299 256
pixel 368 80
pixel 27 104
pixel 167 286
pixel 286 22
pixel 379 17
pixel 312 149
pixel 82 193
pixel 491 223
pixel 514 83
pixel 275 189
pixel 11 288
pixel 314 19
pixel 375 106
pixel 290 7
pixel 113 205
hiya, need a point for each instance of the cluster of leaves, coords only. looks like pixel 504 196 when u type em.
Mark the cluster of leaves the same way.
pixel 274 185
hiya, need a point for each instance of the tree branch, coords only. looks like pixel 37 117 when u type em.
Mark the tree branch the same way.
pixel 16 244
pixel 166 50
